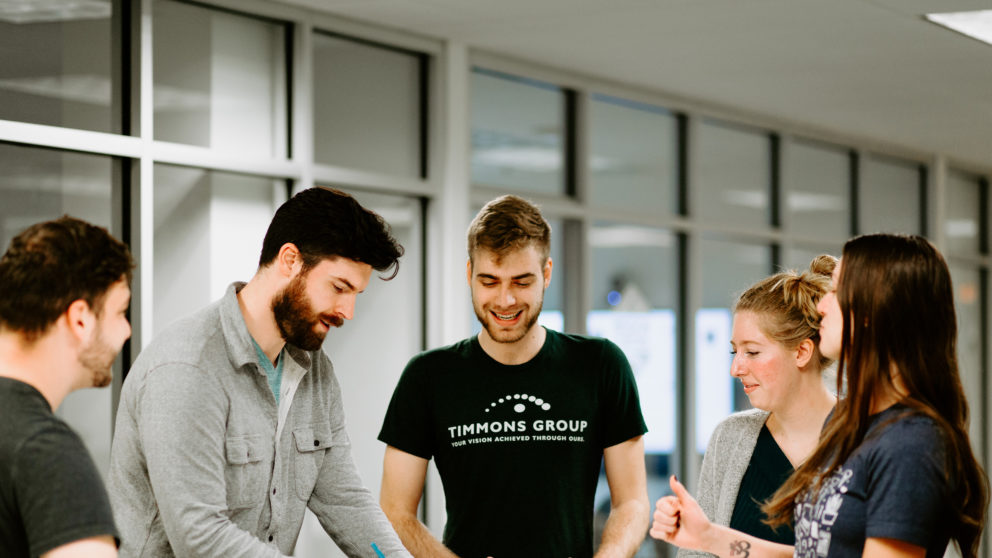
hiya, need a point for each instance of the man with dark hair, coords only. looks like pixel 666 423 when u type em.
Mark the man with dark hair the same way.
pixel 230 422
pixel 518 418
pixel 63 301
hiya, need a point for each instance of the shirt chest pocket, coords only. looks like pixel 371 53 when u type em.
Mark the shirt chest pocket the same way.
pixel 245 473
pixel 312 443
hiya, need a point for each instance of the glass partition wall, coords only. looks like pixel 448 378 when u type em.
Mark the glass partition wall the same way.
pixel 184 135
pixel 670 215
pixel 181 126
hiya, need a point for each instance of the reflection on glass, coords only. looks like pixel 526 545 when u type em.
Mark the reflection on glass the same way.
pixel 209 227
pixel 366 106
pixel 967 302
pixel 729 268
pixel 962 230
pixel 733 175
pixel 220 80
pixel 43 184
pixel 56 67
pixel 635 294
pixel 889 197
pixel 633 160
pixel 517 133
pixel 817 189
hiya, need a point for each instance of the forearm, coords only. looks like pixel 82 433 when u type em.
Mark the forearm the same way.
pixel 725 542
pixel 348 511
pixel 624 530
pixel 417 538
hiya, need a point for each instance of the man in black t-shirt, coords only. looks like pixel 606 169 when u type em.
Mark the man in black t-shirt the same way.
pixel 63 300
pixel 518 419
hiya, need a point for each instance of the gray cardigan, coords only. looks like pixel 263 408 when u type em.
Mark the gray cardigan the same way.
pixel 727 457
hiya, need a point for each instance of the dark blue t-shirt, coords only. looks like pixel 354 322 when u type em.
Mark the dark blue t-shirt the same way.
pixel 893 486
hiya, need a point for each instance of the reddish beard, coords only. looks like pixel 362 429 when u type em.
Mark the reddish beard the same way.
pixel 296 318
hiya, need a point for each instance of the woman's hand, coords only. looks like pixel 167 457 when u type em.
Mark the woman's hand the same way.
pixel 679 520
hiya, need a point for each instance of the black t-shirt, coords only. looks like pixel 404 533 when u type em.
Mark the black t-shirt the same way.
pixel 519 448
pixel 51 493
pixel 893 486
pixel 768 470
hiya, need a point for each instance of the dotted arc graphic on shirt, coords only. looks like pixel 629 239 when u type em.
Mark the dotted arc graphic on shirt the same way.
pixel 520 401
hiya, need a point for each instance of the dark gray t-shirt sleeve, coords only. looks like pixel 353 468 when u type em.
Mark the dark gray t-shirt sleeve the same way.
pixel 60 494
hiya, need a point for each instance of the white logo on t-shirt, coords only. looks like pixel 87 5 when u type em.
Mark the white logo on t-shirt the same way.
pixel 817 516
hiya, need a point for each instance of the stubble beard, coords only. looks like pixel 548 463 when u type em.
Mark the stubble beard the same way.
pixel 97 358
pixel 296 319
pixel 510 336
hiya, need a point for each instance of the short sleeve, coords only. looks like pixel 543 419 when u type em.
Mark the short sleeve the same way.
pixel 59 491
pixel 407 425
pixel 620 404
pixel 906 486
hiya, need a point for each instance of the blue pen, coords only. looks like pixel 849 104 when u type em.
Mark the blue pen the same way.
pixel 377 551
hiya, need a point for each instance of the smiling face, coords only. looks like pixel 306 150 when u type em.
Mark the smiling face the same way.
pixel 315 300
pixel 508 291
pixel 112 330
pixel 768 370
pixel 831 323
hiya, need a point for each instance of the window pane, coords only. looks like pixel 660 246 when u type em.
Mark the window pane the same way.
pixel 817 189
pixel 967 303
pixel 56 65
pixel 43 184
pixel 733 178
pixel 729 268
pixel 517 133
pixel 889 197
pixel 961 228
pixel 366 107
pixel 209 228
pixel 799 257
pixel 220 80
pixel 635 296
pixel 633 162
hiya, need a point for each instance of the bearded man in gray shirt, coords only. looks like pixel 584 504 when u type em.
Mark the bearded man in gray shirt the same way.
pixel 230 422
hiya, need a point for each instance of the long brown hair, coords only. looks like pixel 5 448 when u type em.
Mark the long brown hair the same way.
pixel 897 306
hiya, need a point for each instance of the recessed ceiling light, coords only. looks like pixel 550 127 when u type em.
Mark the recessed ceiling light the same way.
pixel 46 11
pixel 976 24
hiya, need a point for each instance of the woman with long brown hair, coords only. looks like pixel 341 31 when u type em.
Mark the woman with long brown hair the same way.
pixel 894 473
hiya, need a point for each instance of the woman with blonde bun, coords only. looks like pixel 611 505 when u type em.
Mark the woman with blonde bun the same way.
pixel 894 474
pixel 775 343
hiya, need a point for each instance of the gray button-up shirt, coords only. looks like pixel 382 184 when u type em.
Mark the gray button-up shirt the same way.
pixel 196 469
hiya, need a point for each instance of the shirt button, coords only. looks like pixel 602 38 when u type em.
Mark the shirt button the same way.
pixel 316 443
pixel 273 490
pixel 270 538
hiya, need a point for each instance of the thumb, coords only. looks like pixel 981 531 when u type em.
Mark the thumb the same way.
pixel 678 489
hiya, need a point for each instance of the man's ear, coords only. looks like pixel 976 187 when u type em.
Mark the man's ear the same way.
pixel 547 273
pixel 289 260
pixel 80 319
pixel 468 271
